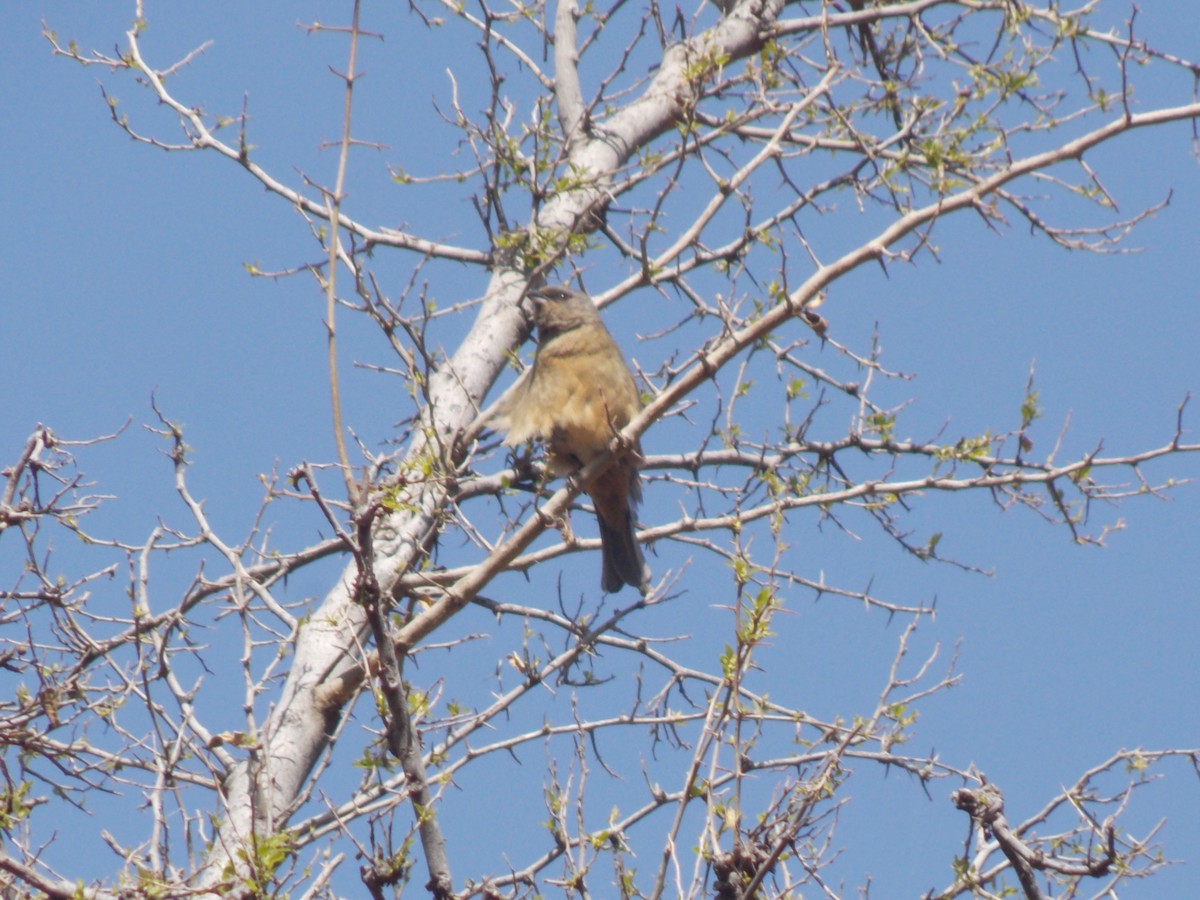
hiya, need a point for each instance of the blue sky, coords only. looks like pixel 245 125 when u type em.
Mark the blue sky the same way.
pixel 126 277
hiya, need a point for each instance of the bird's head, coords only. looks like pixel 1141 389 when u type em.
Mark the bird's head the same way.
pixel 557 308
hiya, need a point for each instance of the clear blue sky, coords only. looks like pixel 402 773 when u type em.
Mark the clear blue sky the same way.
pixel 124 276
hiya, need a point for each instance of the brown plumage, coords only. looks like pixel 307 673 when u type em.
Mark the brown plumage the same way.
pixel 579 394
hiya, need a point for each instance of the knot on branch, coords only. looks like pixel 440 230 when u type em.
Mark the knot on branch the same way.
pixel 983 805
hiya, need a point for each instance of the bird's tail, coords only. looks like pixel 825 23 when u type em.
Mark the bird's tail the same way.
pixel 623 562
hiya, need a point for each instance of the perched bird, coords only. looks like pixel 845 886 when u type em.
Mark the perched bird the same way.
pixel 579 394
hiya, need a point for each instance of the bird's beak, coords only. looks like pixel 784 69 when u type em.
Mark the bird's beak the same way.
pixel 535 299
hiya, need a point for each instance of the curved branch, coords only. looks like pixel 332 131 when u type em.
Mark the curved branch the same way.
pixel 202 137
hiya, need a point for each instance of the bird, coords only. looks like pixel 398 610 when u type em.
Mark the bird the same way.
pixel 577 395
